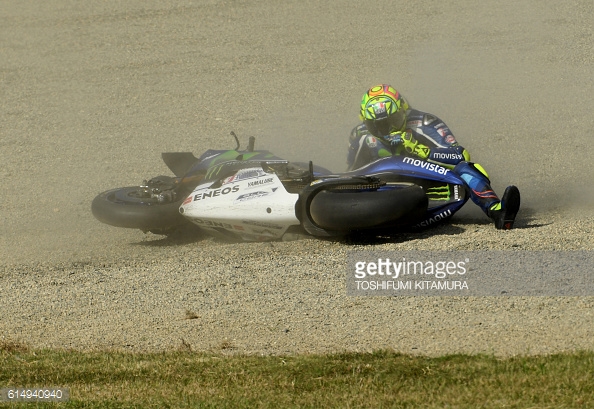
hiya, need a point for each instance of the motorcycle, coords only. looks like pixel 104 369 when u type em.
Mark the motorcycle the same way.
pixel 254 195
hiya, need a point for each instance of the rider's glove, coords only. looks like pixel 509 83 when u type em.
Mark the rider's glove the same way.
pixel 395 138
pixel 411 145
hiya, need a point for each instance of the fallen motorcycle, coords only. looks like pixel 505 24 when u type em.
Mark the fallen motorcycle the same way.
pixel 254 195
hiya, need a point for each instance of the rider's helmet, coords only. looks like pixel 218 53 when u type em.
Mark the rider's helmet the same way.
pixel 383 110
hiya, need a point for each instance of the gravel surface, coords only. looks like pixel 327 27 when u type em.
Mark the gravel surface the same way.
pixel 92 92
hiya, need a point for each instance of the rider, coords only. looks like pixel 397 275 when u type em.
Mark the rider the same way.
pixel 391 127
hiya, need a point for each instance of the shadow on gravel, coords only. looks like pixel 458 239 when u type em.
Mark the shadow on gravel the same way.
pixel 191 234
pixel 525 219
pixel 185 235
pixel 402 237
pixel 525 224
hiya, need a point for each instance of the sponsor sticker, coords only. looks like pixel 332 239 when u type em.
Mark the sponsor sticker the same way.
pixel 426 165
pixel 252 195
pixel 215 192
pixel 260 182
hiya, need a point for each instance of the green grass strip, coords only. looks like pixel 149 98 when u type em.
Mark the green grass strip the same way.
pixel 350 380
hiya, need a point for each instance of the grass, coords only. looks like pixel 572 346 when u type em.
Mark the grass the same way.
pixel 186 379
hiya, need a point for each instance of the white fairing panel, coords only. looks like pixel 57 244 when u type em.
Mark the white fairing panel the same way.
pixel 252 204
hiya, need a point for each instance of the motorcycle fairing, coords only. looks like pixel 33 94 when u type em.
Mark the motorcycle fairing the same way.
pixel 406 166
pixel 250 203
pixel 446 191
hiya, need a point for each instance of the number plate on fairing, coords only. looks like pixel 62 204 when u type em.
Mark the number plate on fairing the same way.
pixel 251 203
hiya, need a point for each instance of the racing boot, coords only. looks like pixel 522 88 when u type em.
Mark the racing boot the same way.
pixel 504 213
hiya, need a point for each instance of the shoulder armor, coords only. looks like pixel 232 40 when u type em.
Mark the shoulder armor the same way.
pixel 428 119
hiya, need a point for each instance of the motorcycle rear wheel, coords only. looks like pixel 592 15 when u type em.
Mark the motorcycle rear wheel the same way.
pixel 335 210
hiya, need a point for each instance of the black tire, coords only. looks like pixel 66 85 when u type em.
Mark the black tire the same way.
pixel 123 207
pixel 338 211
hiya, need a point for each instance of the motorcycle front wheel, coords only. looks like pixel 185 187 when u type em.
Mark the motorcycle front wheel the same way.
pixel 127 207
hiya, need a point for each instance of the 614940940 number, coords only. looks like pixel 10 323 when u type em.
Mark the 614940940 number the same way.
pixel 53 394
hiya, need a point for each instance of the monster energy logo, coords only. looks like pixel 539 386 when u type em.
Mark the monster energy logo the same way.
pixel 439 193
pixel 213 171
pixel 215 168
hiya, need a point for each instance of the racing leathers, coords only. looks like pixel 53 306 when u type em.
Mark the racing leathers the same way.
pixel 429 138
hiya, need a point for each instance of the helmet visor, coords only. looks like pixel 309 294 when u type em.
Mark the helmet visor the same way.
pixel 378 127
pixel 385 125
pixel 397 121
